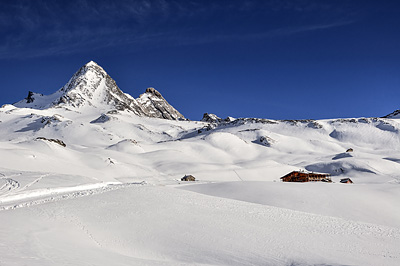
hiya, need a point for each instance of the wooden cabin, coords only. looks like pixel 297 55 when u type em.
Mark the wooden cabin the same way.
pixel 346 181
pixel 300 176
pixel 188 178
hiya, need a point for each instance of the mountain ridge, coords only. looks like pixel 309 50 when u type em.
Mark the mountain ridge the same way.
pixel 91 86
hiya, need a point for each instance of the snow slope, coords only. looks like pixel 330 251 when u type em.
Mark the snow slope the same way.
pixel 112 194
pixel 153 225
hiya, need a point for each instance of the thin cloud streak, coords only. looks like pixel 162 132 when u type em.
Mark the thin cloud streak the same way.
pixel 47 28
pixel 287 31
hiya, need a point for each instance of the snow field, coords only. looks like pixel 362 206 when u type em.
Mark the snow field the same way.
pixel 176 227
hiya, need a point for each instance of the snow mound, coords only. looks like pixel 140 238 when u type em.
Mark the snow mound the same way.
pixel 126 146
pixel 231 144
pixel 341 167
pixel 342 156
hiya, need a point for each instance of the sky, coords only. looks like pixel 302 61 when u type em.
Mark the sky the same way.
pixel 276 59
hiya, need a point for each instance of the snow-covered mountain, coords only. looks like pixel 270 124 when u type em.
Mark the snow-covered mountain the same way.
pixel 92 87
pixel 90 175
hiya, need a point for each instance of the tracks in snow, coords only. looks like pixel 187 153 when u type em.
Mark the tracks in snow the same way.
pixel 36 197
pixel 34 181
pixel 10 186
pixel 7 184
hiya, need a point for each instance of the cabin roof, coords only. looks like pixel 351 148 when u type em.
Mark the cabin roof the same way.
pixel 305 173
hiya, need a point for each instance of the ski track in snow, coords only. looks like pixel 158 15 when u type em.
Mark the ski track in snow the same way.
pixel 34 181
pixel 8 186
pixel 42 196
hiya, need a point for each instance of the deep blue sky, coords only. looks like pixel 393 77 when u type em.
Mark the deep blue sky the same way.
pixel 277 59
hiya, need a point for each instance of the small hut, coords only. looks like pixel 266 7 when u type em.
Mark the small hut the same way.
pixel 346 181
pixel 188 178
pixel 301 176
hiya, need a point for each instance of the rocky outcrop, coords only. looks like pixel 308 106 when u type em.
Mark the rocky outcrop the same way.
pixel 154 105
pixel 266 141
pixel 211 118
pixel 395 114
pixel 59 142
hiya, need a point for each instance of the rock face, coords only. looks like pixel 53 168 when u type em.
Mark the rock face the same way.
pixel 211 118
pixel 395 114
pixel 154 105
pixel 92 87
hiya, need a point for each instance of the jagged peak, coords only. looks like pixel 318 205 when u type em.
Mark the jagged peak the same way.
pixel 91 63
pixel 91 71
pixel 92 87
pixel 93 66
pixel 90 67
pixel 155 104
pixel 211 118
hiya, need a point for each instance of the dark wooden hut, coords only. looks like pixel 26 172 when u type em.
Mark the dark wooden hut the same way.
pixel 346 181
pixel 300 176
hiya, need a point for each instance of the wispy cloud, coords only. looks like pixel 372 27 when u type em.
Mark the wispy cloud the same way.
pixel 42 28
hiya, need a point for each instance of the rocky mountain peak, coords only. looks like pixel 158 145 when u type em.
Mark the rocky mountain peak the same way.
pixel 154 104
pixel 92 87
pixel 87 78
pixel 92 63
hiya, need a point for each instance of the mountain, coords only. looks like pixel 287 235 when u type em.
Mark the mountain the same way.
pixel 92 87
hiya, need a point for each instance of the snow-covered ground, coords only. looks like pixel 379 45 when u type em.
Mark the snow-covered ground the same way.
pixel 113 196
pixel 157 225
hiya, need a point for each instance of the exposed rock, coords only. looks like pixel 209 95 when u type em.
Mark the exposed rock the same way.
pixel 207 128
pixel 101 119
pixel 267 141
pixel 154 105
pixel 309 123
pixel 242 121
pixel 229 119
pixel 59 142
pixel 345 120
pixel 30 98
pixel 395 114
pixel 153 91
pixel 47 120
pixel 188 178
pixel 113 112
pixel 211 118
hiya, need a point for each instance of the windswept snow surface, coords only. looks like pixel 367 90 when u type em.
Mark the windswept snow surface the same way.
pixel 113 196
pixel 156 225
